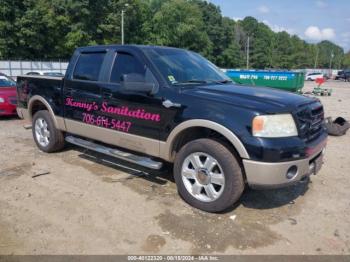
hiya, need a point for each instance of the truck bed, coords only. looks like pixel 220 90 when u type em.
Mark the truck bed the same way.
pixel 46 86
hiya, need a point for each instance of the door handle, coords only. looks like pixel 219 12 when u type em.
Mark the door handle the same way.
pixel 69 91
pixel 168 103
pixel 107 94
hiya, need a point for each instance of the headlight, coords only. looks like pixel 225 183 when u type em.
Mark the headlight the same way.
pixel 2 100
pixel 274 126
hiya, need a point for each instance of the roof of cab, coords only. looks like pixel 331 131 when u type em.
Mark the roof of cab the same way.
pixel 104 47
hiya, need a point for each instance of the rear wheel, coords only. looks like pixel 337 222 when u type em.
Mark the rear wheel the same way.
pixel 208 175
pixel 46 136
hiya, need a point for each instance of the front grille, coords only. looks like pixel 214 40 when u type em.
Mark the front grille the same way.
pixel 310 120
pixel 13 100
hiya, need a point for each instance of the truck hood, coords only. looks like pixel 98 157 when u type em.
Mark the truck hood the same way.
pixel 260 99
pixel 8 91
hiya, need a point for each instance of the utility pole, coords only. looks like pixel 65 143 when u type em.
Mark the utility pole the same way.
pixel 330 64
pixel 316 58
pixel 248 52
pixel 122 29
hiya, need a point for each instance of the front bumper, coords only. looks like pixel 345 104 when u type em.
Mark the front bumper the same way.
pixel 262 175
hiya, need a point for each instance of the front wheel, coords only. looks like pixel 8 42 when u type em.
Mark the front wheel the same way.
pixel 46 136
pixel 208 175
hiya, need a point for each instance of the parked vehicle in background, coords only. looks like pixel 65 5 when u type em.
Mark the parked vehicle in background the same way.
pixel 149 105
pixel 45 73
pixel 9 77
pixel 313 76
pixel 343 75
pixel 340 75
pixel 326 77
pixel 8 99
pixel 347 76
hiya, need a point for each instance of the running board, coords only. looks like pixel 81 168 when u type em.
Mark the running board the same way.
pixel 139 160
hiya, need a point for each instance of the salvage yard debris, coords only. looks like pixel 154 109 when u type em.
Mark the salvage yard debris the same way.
pixel 319 91
pixel 233 217
pixel 338 127
pixel 41 174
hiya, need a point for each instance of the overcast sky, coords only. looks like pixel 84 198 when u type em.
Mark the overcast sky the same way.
pixel 311 20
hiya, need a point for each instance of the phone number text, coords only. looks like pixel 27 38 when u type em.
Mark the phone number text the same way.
pixel 106 122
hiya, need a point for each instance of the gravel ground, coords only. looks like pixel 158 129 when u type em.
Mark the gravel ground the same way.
pixel 84 203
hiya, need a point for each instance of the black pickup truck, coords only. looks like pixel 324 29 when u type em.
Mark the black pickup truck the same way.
pixel 150 105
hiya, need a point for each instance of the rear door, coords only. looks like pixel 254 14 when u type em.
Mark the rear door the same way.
pixel 82 92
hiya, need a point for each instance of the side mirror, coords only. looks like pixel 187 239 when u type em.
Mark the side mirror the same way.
pixel 136 83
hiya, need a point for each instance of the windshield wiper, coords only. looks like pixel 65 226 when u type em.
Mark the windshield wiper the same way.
pixel 198 81
pixel 224 81
pixel 192 81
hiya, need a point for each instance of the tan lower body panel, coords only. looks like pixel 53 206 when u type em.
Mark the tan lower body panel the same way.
pixel 129 141
pixel 23 113
pixel 136 143
pixel 58 121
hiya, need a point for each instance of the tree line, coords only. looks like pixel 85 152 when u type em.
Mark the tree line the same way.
pixel 52 29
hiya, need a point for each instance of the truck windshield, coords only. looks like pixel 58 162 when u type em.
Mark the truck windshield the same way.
pixel 181 67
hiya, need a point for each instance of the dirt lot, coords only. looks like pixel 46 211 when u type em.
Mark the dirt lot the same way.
pixel 87 204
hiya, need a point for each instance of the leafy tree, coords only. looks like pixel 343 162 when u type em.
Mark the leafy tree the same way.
pixel 52 29
pixel 231 57
pixel 10 11
pixel 282 51
pixel 261 55
pixel 346 61
pixel 179 23
pixel 299 57
pixel 329 53
pixel 260 40
pixel 214 28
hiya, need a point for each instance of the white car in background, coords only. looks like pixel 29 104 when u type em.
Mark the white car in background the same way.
pixel 45 73
pixel 313 76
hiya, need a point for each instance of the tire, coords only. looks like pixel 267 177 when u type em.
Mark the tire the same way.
pixel 226 169
pixel 55 139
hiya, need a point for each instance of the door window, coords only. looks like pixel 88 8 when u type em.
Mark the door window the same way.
pixel 88 66
pixel 126 64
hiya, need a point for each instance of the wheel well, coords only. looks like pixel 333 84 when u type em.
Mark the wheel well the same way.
pixel 37 106
pixel 193 133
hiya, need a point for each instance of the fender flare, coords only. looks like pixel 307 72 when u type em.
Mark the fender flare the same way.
pixel 228 134
pixel 35 98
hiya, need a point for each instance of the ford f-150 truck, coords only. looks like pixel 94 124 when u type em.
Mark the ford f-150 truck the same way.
pixel 150 105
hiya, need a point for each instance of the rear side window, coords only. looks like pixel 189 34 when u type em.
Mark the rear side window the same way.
pixel 88 66
pixel 126 64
